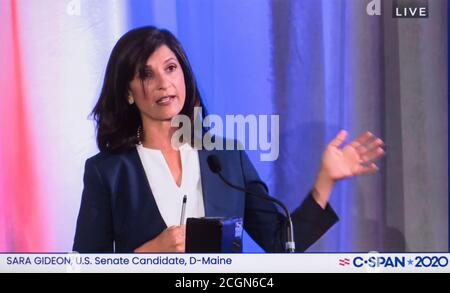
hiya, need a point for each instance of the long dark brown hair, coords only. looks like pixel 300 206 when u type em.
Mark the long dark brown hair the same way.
pixel 118 121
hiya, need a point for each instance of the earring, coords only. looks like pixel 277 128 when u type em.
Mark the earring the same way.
pixel 130 100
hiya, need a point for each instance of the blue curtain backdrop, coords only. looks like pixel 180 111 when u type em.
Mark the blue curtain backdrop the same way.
pixel 323 66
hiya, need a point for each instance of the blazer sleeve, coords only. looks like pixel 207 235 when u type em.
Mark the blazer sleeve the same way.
pixel 94 231
pixel 267 226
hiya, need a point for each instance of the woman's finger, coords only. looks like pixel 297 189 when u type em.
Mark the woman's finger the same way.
pixel 339 139
pixel 364 138
pixel 367 169
pixel 372 154
pixel 373 144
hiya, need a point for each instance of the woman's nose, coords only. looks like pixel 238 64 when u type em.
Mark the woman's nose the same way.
pixel 163 82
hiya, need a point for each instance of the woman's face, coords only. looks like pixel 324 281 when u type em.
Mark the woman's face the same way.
pixel 163 92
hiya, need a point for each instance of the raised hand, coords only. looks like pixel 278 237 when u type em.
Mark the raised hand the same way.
pixel 356 158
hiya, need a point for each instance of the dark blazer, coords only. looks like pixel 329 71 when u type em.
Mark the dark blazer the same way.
pixel 118 211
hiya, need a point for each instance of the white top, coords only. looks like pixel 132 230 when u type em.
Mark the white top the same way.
pixel 168 195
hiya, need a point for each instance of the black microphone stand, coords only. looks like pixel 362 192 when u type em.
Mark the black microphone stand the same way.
pixel 290 243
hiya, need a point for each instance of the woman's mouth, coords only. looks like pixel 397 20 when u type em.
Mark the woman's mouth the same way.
pixel 164 101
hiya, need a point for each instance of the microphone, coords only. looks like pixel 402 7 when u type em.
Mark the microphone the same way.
pixel 215 167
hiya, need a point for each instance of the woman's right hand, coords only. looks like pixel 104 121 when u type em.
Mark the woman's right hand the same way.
pixel 170 240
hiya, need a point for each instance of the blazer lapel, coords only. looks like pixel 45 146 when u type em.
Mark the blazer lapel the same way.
pixel 216 194
pixel 144 192
pixel 208 190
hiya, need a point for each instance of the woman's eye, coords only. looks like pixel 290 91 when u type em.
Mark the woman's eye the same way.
pixel 148 75
pixel 172 68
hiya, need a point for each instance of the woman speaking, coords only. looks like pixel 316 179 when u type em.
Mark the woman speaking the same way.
pixel 134 188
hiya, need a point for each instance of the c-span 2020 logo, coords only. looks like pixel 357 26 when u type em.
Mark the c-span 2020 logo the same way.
pixel 375 261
